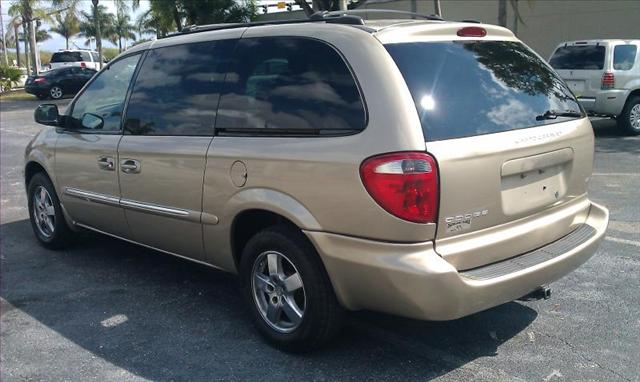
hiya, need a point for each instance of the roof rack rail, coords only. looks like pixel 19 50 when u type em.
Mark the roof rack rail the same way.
pixel 388 11
pixel 316 17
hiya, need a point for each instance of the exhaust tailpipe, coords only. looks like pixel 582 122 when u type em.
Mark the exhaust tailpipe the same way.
pixel 542 293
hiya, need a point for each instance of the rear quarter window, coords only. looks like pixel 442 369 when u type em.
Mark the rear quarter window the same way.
pixel 578 57
pixel 624 56
pixel 467 88
pixel 290 85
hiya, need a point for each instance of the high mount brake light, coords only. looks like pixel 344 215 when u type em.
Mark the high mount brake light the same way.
pixel 472 32
pixel 404 184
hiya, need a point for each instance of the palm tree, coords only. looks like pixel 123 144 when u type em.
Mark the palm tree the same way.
pixel 12 36
pixel 30 12
pixel 122 27
pixel 66 25
pixel 95 23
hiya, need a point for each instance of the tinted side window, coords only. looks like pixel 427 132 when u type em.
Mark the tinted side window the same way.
pixel 580 57
pixel 105 96
pixel 95 57
pixel 290 84
pixel 624 56
pixel 177 90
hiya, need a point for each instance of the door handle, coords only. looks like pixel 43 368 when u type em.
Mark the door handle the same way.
pixel 130 166
pixel 106 163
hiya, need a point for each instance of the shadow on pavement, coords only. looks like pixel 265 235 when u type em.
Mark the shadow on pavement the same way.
pixel 163 318
pixel 610 138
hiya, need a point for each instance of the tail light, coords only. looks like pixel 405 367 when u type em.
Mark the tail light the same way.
pixel 39 80
pixel 404 184
pixel 608 81
pixel 83 65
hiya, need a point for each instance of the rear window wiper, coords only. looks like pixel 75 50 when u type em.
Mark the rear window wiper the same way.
pixel 553 114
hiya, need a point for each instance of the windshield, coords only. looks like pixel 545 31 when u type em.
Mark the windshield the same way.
pixel 467 88
pixel 578 57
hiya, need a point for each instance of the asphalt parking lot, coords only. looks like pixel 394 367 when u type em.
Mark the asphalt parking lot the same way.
pixel 106 310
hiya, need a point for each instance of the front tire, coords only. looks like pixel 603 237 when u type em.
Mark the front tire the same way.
pixel 56 92
pixel 45 213
pixel 291 299
pixel 629 120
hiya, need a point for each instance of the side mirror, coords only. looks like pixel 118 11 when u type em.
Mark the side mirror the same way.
pixel 92 121
pixel 47 114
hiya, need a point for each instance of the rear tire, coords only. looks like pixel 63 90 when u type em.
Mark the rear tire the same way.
pixel 45 213
pixel 56 92
pixel 319 315
pixel 629 120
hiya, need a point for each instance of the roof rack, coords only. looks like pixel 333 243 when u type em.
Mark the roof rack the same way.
pixel 316 17
pixel 379 11
pixel 348 17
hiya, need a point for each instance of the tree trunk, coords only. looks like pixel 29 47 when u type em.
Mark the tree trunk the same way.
pixel 32 38
pixel 66 39
pixel 305 7
pixel 119 44
pixel 98 32
pixel 26 47
pixel 176 18
pixel 15 34
pixel 502 13
pixel 437 8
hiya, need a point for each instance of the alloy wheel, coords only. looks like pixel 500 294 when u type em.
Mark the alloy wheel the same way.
pixel 278 291
pixel 56 92
pixel 44 213
pixel 634 117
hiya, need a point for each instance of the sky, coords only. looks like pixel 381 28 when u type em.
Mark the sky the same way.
pixel 57 42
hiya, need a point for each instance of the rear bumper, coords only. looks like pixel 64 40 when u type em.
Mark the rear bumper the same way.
pixel 36 89
pixel 605 102
pixel 412 280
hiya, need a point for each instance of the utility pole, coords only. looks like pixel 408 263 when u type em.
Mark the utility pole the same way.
pixel 437 8
pixel 98 33
pixel 342 5
pixel 4 40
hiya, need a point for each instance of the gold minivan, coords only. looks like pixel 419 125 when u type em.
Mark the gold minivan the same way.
pixel 422 168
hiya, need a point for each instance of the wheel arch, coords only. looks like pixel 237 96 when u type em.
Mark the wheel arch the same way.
pixel 32 168
pixel 256 209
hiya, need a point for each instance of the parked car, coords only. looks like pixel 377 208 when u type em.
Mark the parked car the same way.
pixel 605 76
pixel 426 169
pixel 82 58
pixel 56 83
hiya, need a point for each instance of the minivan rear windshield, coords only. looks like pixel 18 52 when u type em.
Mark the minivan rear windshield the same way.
pixel 578 57
pixel 70 57
pixel 467 88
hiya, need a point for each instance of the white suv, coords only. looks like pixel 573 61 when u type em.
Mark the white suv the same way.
pixel 605 76
pixel 83 58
